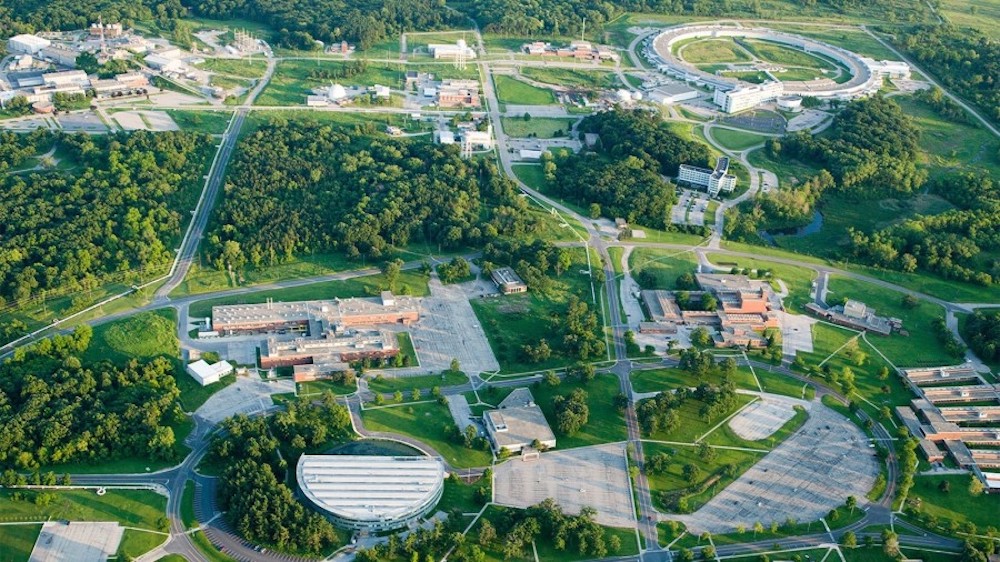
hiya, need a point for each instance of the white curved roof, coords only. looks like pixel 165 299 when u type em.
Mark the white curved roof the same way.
pixel 370 488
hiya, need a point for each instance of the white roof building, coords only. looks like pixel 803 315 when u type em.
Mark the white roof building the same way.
pixel 528 154
pixel 28 44
pixel 382 91
pixel 371 493
pixel 672 93
pixel 446 51
pixel 207 374
pixel 65 78
pixel 164 64
pixel 445 137
pixel 517 423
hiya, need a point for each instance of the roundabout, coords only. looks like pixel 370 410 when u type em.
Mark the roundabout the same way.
pixel 750 66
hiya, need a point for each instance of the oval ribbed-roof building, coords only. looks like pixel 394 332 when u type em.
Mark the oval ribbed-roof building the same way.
pixel 372 493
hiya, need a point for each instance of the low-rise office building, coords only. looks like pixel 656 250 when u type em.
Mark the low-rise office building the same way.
pixel 518 423
pixel 315 317
pixel 207 373
pixel 508 281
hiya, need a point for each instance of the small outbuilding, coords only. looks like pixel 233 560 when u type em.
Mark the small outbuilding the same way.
pixel 206 373
pixel 508 281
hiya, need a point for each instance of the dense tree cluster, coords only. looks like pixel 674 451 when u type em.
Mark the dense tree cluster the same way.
pixel 951 244
pixel 301 23
pixel 659 413
pixel 963 59
pixel 29 16
pixel 572 412
pixel 777 210
pixel 347 191
pixel 983 334
pixel 870 149
pixel 119 216
pixel 624 177
pixel 16 148
pixel 534 261
pixel 54 409
pixel 253 490
pixel 458 269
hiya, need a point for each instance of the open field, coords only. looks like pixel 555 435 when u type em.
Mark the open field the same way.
pixel 136 543
pixel 541 127
pixel 712 51
pixel 921 347
pixel 292 80
pixel 392 384
pixel 605 424
pixel 658 380
pixel 956 504
pixel 431 423
pixel 785 55
pixel 790 172
pixel 659 269
pixel 852 39
pixel 211 122
pixel 16 542
pixel 947 146
pixel 460 496
pixel 133 508
pixel 513 321
pixel 980 14
pixel 513 91
pixel 244 68
pixel 710 482
pixel 736 140
pixel 572 78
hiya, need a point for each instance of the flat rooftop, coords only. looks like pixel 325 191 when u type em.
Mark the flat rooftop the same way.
pixel 298 311
pixel 370 488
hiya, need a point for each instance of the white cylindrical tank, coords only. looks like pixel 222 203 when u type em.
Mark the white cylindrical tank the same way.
pixel 337 92
pixel 624 95
pixel 790 103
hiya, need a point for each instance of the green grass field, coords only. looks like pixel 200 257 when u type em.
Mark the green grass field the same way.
pixel 956 504
pixel 736 140
pixel 605 424
pixel 136 543
pixel 658 380
pixel 693 425
pixel 291 82
pixel 211 122
pixel 921 347
pixel 659 269
pixel 785 55
pixel 855 40
pixel 244 68
pixel 948 147
pixel 208 549
pixel 390 384
pixel 700 51
pixel 187 506
pixel 316 388
pixel 572 78
pixel 541 127
pixel 673 480
pixel 460 496
pixel 430 423
pixel 792 74
pixel 790 172
pixel 980 14
pixel 16 542
pixel 513 321
pixel 133 508
pixel 513 91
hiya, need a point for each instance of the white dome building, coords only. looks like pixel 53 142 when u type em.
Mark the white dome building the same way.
pixel 336 92
pixel 371 493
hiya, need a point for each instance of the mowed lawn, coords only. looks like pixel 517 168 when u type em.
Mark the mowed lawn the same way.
pixel 133 508
pixel 540 127
pixel 736 140
pixel 211 122
pixel 16 542
pixel 293 80
pixel 956 504
pixel 605 424
pixel 659 269
pixel 712 51
pixel 513 321
pixel 244 68
pixel 693 425
pixel 659 380
pixel 710 481
pixel 921 347
pixel 430 423
pixel 513 91
pixel 571 78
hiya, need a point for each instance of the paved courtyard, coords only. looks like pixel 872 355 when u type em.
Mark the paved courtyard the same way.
pixel 588 476
pixel 804 478
pixel 248 395
pixel 77 542
pixel 145 120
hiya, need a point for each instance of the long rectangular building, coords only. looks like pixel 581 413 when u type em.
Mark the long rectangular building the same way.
pixel 315 317
pixel 714 181
pixel 747 97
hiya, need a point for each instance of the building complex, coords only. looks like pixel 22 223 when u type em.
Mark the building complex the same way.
pixel 746 309
pixel 579 50
pixel 856 315
pixel 314 317
pixel 371 493
pixel 956 414
pixel 715 181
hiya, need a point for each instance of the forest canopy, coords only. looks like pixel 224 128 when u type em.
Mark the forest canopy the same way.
pixel 136 188
pixel 351 192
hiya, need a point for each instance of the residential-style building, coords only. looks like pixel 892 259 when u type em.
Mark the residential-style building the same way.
pixel 517 423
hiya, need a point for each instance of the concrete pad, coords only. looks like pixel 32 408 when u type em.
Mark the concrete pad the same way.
pixel 448 328
pixel 761 419
pixel 796 333
pixel 77 542
pixel 803 478
pixel 460 411
pixel 160 121
pixel 86 122
pixel 588 476
pixel 129 120
pixel 248 395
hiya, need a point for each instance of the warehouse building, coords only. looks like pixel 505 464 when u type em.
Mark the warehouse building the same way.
pixel 371 493
pixel 206 373
pixel 27 44
pixel 517 423
pixel 448 51
pixel 714 181
pixel 314 317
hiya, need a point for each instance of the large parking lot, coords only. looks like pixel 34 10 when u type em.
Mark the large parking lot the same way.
pixel 77 542
pixel 588 476
pixel 804 478
pixel 448 328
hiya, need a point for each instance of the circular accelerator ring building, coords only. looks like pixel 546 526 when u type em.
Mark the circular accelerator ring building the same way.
pixel 371 493
pixel 734 95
